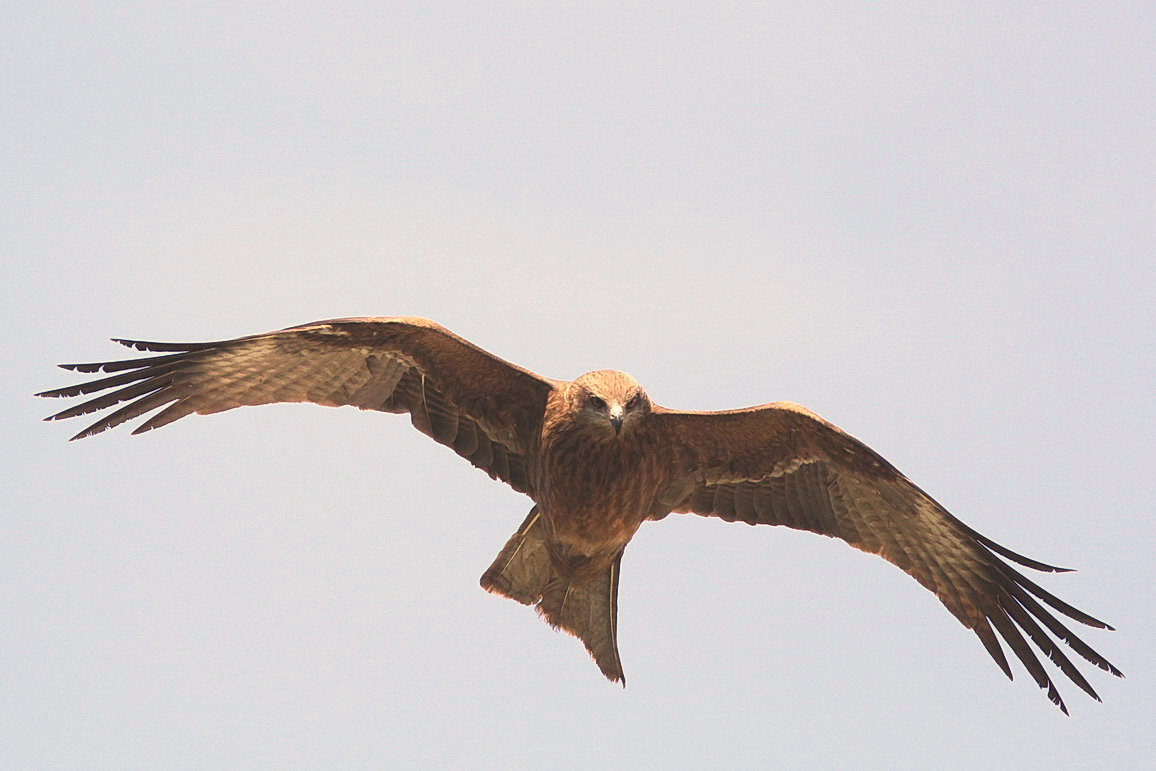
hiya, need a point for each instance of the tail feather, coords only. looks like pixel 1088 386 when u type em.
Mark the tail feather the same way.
pixel 585 605
pixel 589 611
pixel 523 567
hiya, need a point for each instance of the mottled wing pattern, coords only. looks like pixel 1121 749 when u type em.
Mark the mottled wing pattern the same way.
pixel 486 409
pixel 780 464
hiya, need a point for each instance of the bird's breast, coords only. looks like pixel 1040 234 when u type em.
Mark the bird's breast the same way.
pixel 595 495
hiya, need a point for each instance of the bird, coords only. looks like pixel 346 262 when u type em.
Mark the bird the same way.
pixel 598 458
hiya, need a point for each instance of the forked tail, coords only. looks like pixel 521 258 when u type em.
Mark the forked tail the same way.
pixel 586 608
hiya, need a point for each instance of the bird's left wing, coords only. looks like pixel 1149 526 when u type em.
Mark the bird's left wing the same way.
pixel 781 464
pixel 487 410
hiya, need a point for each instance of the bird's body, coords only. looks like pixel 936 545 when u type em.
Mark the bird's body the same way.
pixel 599 458
pixel 596 483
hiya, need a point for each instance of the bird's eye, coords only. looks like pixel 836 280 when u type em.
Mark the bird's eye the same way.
pixel 634 401
pixel 596 402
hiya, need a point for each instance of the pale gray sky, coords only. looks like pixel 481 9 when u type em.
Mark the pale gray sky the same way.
pixel 933 225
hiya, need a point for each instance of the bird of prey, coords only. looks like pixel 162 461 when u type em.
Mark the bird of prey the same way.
pixel 598 458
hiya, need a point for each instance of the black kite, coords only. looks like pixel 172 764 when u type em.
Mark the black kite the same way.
pixel 598 459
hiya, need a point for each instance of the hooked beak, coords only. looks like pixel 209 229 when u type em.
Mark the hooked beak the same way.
pixel 616 415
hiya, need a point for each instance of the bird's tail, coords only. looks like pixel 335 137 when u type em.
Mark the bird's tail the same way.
pixel 586 608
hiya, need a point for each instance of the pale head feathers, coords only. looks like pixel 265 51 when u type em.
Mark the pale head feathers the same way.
pixel 607 398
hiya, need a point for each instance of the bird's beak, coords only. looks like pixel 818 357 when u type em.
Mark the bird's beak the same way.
pixel 616 415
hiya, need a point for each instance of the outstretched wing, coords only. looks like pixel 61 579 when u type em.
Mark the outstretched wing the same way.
pixel 488 410
pixel 781 464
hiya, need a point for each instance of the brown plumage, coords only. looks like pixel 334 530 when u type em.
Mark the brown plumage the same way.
pixel 598 458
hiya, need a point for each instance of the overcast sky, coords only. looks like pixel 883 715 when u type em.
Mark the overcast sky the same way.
pixel 934 224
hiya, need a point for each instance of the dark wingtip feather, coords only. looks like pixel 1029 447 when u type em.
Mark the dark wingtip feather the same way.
pixel 55 393
pixel 1026 613
pixel 87 367
pixel 988 637
pixel 1056 603
pixel 1066 635
pixel 147 345
pixel 92 430
pixel 1027 562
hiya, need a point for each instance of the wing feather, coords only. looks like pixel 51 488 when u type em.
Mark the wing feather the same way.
pixel 487 410
pixel 780 464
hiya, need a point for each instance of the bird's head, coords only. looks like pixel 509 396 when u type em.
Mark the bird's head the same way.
pixel 608 398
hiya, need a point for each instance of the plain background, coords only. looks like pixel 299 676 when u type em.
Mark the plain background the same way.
pixel 931 223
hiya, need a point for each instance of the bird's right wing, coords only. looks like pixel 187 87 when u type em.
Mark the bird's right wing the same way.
pixel 487 410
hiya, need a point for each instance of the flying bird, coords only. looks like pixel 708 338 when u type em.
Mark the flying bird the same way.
pixel 598 458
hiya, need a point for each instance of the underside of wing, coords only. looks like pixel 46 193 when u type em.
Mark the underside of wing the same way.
pixel 782 465
pixel 486 409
